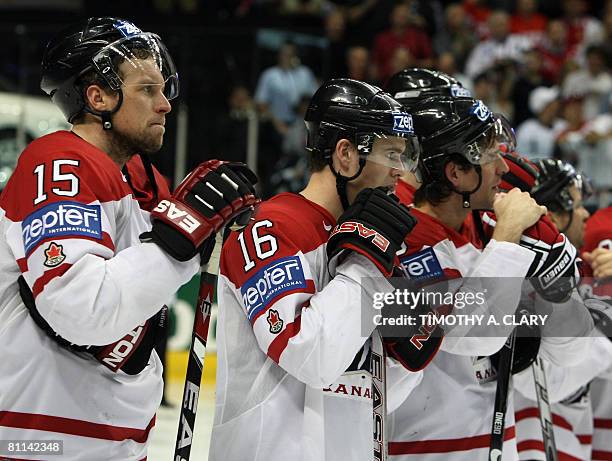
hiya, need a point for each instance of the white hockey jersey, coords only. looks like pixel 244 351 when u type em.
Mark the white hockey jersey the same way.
pixel 449 414
pixel 598 234
pixel 455 385
pixel 70 225
pixel 568 392
pixel 292 376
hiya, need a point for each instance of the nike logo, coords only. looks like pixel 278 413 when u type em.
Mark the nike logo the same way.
pixel 326 226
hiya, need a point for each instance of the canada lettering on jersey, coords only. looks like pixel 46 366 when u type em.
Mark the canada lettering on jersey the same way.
pixel 122 349
pixel 365 232
pixel 281 276
pixel 61 218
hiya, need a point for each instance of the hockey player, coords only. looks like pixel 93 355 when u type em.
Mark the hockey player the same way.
pixel 409 86
pixel 295 362
pixel 462 169
pixel 597 254
pixel 558 186
pixel 85 272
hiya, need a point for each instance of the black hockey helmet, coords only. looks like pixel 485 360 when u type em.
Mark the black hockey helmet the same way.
pixel 412 85
pixel 449 126
pixel 552 187
pixel 361 113
pixel 100 45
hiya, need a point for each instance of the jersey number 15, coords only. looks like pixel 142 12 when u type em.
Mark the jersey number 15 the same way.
pixel 57 176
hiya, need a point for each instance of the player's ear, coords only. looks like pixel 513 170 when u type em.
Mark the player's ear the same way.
pixel 345 158
pixel 99 100
pixel 453 173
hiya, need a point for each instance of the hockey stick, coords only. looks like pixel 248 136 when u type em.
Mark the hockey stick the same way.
pixel 195 364
pixel 504 372
pixel 548 436
pixel 379 397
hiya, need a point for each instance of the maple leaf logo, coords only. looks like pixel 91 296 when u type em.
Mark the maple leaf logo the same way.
pixel 54 255
pixel 276 323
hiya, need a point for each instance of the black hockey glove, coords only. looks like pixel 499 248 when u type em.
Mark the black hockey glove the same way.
pixel 375 225
pixel 213 195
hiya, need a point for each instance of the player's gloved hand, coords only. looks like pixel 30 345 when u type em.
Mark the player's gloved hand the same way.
pixel 522 173
pixel 554 271
pixel 213 195
pixel 375 225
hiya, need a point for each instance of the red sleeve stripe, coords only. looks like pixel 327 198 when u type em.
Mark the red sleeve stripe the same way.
pixel 601 455
pixel 586 439
pixel 74 426
pixel 451 273
pixel 310 288
pixel 446 445
pixel 279 343
pixel 49 275
pixel 107 241
pixel 602 423
pixel 533 412
pixel 538 445
pixel 23 265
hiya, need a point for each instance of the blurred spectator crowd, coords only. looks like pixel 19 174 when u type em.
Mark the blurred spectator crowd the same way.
pixel 544 65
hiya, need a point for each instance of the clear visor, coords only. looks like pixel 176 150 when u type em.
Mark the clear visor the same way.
pixel 485 148
pixel 505 135
pixel 401 153
pixel 140 59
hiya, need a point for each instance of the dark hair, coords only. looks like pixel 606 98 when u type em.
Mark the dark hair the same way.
pixel 439 188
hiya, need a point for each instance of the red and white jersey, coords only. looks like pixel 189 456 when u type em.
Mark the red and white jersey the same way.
pixel 292 376
pixel 601 401
pixel 448 415
pixel 569 395
pixel 70 225
pixel 598 234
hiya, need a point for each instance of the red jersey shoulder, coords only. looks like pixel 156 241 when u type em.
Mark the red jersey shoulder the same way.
pixel 429 231
pixel 141 186
pixel 598 231
pixel 61 167
pixel 283 226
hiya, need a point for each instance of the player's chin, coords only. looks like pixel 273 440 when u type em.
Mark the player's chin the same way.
pixel 153 144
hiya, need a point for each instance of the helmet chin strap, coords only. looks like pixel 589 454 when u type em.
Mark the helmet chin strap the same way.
pixel 105 115
pixel 342 181
pixel 466 195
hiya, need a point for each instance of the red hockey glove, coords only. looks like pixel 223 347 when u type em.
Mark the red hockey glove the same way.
pixel 375 225
pixel 554 271
pixel 210 197
pixel 522 173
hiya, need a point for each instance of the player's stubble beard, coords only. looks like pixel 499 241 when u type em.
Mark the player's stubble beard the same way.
pixel 125 145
